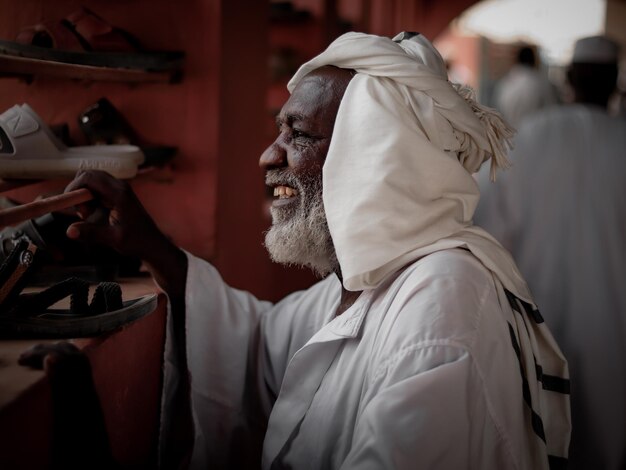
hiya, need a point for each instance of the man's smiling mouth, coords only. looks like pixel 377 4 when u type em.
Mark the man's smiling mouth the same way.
pixel 285 192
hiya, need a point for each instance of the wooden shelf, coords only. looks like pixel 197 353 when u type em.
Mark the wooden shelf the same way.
pixel 22 67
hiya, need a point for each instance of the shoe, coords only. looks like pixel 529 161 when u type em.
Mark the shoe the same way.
pixel 103 124
pixel 30 150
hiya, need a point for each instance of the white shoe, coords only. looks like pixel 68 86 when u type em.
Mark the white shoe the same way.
pixel 29 150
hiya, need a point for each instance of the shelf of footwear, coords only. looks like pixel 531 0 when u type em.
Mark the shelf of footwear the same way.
pixel 24 67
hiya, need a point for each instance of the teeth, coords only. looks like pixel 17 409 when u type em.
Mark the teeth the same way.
pixel 284 192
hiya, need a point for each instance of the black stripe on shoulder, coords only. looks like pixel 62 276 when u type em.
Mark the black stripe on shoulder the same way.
pixel 512 300
pixel 557 463
pixel 537 424
pixel 552 383
pixel 536 314
pixel 555 384
pixel 528 309
pixel 536 421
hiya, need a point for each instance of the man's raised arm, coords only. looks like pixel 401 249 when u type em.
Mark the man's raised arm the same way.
pixel 116 218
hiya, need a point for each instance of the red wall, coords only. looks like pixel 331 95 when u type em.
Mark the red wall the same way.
pixel 183 201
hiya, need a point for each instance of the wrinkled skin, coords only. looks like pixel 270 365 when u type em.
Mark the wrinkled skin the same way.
pixel 299 234
pixel 306 121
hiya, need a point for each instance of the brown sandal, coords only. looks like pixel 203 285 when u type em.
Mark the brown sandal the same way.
pixel 85 38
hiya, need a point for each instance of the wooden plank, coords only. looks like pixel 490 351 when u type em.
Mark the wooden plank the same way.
pixel 31 210
pixel 22 66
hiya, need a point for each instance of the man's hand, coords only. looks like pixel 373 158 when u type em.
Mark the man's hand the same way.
pixel 117 219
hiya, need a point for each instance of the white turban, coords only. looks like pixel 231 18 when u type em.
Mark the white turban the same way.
pixel 397 177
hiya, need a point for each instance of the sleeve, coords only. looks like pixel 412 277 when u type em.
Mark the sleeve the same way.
pixel 234 349
pixel 214 374
pixel 436 418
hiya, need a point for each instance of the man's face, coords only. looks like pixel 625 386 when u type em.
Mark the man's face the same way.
pixel 299 234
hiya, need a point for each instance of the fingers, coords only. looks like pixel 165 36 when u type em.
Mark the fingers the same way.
pixel 36 356
pixel 125 225
pixel 94 233
pixel 108 190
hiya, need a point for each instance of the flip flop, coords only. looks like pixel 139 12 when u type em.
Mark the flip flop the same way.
pixel 30 150
pixel 85 38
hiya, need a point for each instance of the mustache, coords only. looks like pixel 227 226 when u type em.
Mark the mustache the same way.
pixel 305 184
pixel 282 176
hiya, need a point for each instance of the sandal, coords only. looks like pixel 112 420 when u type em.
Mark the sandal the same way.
pixel 30 150
pixel 85 38
pixel 103 124
pixel 60 257
pixel 15 270
pixel 31 314
pixel 106 298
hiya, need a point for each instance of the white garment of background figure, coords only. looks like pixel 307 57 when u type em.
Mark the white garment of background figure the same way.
pixel 561 211
pixel 524 89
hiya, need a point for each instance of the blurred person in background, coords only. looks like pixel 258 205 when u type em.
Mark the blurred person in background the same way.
pixel 524 89
pixel 561 211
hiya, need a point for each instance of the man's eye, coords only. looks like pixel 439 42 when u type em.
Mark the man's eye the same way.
pixel 300 135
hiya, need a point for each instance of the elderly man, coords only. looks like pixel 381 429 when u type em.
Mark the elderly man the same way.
pixel 421 347
pixel 561 213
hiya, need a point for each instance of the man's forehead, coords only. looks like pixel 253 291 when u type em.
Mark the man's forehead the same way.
pixel 317 94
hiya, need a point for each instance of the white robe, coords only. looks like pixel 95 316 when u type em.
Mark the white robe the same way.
pixel 522 92
pixel 561 211
pixel 420 372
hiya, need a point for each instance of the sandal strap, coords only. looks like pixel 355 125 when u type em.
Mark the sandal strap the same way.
pixel 51 34
pixel 98 34
pixel 14 270
pixel 76 289
pixel 107 297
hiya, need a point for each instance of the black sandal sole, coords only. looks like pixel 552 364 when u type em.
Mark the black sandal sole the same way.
pixel 148 61
pixel 59 323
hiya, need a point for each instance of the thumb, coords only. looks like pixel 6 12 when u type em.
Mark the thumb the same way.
pixel 93 233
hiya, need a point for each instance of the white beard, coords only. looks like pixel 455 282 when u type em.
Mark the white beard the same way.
pixel 301 237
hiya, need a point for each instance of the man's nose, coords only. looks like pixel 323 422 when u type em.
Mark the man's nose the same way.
pixel 274 156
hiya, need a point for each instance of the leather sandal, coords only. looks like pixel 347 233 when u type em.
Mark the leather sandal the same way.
pixel 85 38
